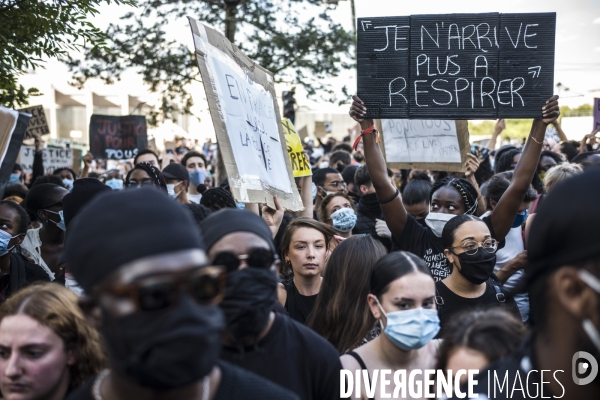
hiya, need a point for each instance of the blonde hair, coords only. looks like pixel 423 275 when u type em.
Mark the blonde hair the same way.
pixel 56 307
pixel 559 173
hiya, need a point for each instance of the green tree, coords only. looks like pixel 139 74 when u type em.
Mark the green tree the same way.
pixel 32 30
pixel 297 40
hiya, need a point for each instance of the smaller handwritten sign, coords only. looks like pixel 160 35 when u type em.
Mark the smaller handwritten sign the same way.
pixel 300 164
pixel 117 138
pixel 53 158
pixel 440 145
pixel 596 114
pixel 38 123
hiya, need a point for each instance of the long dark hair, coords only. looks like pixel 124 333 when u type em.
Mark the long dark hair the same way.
pixel 154 173
pixel 504 158
pixel 341 315
pixel 394 266
pixel 499 183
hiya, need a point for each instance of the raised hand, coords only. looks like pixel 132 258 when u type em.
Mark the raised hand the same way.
pixel 358 111
pixel 551 110
pixel 471 165
pixel 272 217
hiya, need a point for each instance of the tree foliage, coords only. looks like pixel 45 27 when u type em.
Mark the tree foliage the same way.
pixel 32 30
pixel 297 40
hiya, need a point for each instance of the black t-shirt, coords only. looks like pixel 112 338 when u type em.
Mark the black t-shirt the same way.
pixel 421 241
pixel 298 306
pixel 454 303
pixel 236 384
pixel 294 357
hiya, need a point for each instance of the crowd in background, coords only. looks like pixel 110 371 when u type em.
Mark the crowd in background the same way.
pixel 149 280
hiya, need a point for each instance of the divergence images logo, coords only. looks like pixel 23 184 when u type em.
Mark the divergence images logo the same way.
pixel 581 367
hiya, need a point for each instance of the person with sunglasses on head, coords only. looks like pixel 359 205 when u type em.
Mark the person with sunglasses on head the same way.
pixel 450 196
pixel 144 174
pixel 153 295
pixel 471 253
pixel 44 245
pixel 258 337
pixel 16 271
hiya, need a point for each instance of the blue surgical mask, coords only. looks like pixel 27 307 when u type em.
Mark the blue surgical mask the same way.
pixel 241 206
pixel 171 189
pixel 520 218
pixel 114 184
pixel 68 183
pixel 198 176
pixel 4 240
pixel 344 219
pixel 61 223
pixel 14 178
pixel 411 329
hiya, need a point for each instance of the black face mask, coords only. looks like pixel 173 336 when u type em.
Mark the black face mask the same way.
pixel 477 268
pixel 249 297
pixel 167 349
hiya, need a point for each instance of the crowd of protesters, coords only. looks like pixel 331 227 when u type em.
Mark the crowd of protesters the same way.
pixel 150 281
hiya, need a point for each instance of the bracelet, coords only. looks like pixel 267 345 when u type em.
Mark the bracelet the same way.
pixel 535 140
pixel 390 199
pixel 367 131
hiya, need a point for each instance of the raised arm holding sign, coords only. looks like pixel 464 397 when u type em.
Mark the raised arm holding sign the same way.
pixel 453 196
pixel 244 111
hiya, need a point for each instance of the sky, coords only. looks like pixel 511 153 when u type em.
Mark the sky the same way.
pixel 577 44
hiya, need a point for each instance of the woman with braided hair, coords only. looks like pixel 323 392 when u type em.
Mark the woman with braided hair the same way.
pixel 145 174
pixel 449 198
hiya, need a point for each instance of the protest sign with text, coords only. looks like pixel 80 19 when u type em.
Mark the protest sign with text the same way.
pixel 38 123
pixel 300 163
pixel 53 158
pixel 244 111
pixel 596 114
pixel 13 125
pixel 117 138
pixel 459 66
pixel 440 145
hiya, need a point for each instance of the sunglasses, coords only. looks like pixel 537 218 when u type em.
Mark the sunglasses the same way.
pixel 256 258
pixel 205 285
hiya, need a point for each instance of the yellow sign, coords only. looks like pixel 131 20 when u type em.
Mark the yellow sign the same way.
pixel 298 159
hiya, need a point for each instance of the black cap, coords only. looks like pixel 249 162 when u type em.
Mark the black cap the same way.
pixel 120 227
pixel 176 171
pixel 84 190
pixel 565 229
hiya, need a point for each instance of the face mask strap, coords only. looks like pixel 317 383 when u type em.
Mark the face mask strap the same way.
pixel 588 326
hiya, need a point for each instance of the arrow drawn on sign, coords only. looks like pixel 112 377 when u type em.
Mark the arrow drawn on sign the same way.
pixel 539 68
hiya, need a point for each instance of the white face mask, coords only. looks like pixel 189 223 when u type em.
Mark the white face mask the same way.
pixel 437 221
pixel 171 189
pixel 324 164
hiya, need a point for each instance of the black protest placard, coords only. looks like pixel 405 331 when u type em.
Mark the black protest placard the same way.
pixel 117 138
pixel 38 123
pixel 456 66
pixel 12 150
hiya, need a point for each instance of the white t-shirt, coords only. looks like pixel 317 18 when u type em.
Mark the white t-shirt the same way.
pixel 513 246
pixel 194 198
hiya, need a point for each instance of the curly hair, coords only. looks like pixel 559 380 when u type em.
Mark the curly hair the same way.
pixel 153 172
pixel 56 307
pixel 467 191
